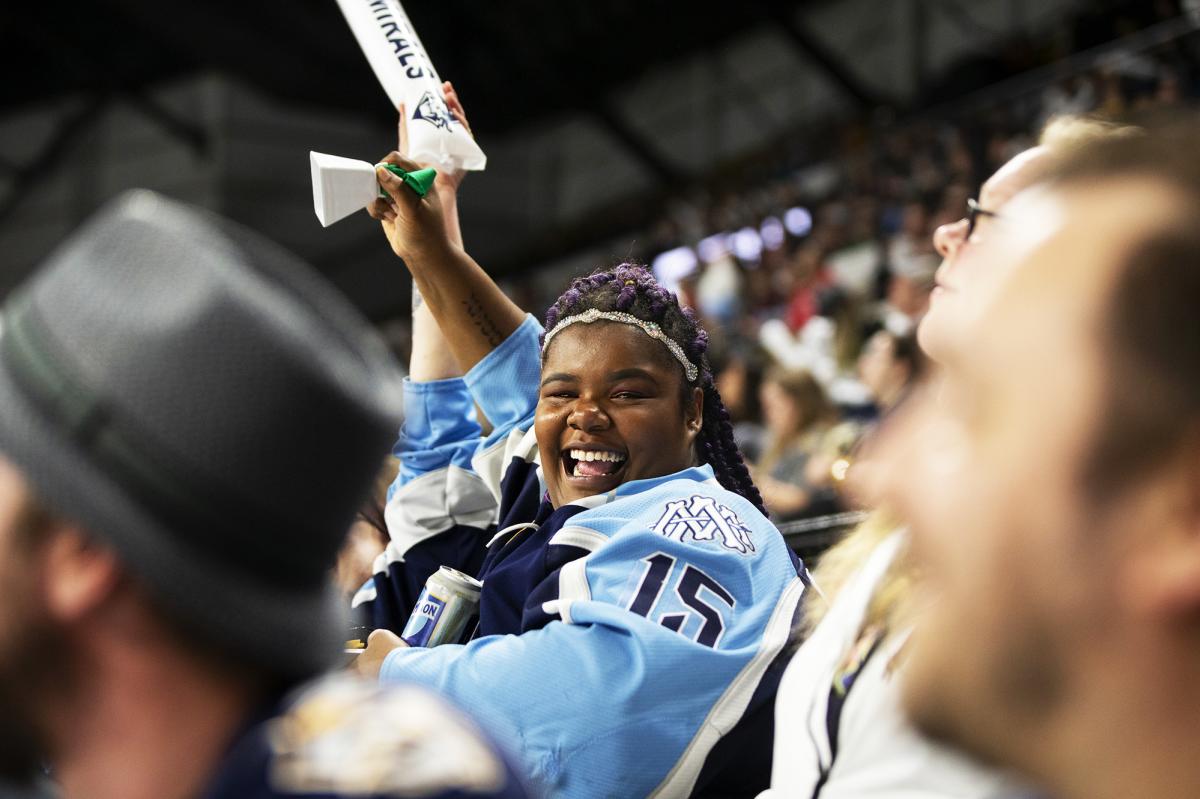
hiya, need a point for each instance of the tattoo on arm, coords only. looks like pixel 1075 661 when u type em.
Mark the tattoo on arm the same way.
pixel 483 323
pixel 417 299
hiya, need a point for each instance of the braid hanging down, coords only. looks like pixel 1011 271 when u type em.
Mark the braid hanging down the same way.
pixel 632 289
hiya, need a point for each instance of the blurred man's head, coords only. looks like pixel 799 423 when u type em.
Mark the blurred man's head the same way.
pixel 188 420
pixel 28 661
pixel 1054 488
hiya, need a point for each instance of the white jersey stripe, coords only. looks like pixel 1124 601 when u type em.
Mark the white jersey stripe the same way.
pixel 730 708
pixel 433 503
pixel 581 537
pixel 572 587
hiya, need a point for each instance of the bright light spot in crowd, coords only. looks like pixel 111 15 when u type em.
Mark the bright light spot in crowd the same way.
pixel 772 233
pixel 673 266
pixel 747 244
pixel 798 221
pixel 839 470
pixel 713 248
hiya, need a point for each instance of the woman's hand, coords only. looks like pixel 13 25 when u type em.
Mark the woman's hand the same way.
pixel 380 644
pixel 444 194
pixel 456 293
pixel 447 181
pixel 414 226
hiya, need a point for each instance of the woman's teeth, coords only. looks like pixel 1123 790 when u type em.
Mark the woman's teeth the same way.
pixel 590 455
pixel 589 463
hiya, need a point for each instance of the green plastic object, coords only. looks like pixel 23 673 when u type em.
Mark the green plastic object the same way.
pixel 419 181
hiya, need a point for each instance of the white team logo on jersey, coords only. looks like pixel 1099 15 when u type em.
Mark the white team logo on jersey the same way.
pixel 701 518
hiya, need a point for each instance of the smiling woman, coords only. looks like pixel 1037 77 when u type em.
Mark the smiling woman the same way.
pixel 609 411
pixel 635 598
pixel 606 376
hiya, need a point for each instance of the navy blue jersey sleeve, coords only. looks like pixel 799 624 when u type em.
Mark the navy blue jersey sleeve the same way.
pixel 445 502
pixel 439 512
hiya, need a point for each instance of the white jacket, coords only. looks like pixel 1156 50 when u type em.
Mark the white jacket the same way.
pixel 878 754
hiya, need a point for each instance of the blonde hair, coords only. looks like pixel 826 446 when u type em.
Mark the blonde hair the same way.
pixel 842 561
pixel 1065 133
pixel 817 411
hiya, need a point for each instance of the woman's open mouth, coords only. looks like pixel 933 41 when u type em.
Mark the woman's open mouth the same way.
pixel 592 468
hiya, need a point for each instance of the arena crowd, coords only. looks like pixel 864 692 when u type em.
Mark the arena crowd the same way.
pixel 568 578
pixel 817 264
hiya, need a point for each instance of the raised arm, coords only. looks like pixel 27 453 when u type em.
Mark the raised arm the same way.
pixel 432 358
pixel 438 511
pixel 474 315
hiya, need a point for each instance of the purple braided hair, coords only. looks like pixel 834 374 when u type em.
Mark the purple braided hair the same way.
pixel 632 288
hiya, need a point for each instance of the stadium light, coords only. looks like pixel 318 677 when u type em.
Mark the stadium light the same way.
pixel 747 245
pixel 672 266
pixel 798 221
pixel 772 233
pixel 714 247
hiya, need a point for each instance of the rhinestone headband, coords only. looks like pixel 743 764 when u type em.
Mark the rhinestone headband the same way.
pixel 649 328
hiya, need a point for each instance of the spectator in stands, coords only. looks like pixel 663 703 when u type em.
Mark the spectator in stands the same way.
pixel 739 381
pixel 839 701
pixel 828 346
pixel 911 263
pixel 807 278
pixel 609 516
pixel 165 582
pixel 797 415
pixel 1076 430
pixel 889 367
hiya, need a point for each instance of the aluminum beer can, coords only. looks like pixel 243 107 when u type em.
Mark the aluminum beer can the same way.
pixel 447 610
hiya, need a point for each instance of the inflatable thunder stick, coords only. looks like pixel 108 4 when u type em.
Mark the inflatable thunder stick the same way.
pixel 395 52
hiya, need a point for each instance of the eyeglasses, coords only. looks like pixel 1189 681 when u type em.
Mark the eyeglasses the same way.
pixel 974 211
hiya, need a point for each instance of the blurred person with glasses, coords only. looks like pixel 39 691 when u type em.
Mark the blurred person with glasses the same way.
pixel 1057 530
pixel 840 732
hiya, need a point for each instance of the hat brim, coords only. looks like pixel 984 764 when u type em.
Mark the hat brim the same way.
pixel 291 634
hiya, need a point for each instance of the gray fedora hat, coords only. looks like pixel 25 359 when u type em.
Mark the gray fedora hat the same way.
pixel 210 408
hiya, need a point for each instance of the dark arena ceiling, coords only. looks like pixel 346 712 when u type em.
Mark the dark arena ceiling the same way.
pixel 565 56
pixel 568 97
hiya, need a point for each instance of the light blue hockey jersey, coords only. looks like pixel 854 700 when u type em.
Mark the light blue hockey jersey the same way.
pixel 630 643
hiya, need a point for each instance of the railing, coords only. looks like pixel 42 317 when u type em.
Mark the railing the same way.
pixel 810 537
